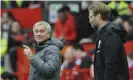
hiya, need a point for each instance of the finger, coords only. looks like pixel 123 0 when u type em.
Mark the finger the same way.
pixel 25 46
pixel 26 52
pixel 26 49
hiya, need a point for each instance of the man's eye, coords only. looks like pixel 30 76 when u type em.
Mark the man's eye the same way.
pixel 36 31
pixel 42 31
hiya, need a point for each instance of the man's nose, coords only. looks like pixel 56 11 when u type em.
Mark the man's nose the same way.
pixel 38 33
pixel 89 21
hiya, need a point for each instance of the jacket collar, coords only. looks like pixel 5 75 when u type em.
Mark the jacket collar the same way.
pixel 103 28
pixel 40 46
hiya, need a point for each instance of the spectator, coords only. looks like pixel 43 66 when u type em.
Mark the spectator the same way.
pixel 65 27
pixel 76 58
pixel 3 46
pixel 79 53
pixel 82 60
pixel 74 54
pixel 122 20
pixel 68 60
pixel 7 19
pixel 15 39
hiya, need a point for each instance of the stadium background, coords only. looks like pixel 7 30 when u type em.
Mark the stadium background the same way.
pixel 26 13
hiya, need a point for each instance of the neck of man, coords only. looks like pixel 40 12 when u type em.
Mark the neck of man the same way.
pixel 41 43
pixel 102 24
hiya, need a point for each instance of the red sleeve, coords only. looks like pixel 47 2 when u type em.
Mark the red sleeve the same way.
pixel 57 30
pixel 70 31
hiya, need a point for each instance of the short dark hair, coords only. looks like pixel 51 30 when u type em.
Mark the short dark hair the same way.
pixel 10 15
pixel 64 9
pixel 60 10
pixel 77 46
pixel 101 8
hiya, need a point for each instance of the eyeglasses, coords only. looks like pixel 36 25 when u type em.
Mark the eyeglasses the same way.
pixel 91 16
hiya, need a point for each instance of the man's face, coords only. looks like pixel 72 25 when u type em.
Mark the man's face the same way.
pixel 5 17
pixel 40 33
pixel 15 27
pixel 77 53
pixel 62 16
pixel 93 19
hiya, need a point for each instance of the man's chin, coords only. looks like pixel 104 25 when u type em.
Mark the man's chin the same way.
pixel 95 28
pixel 39 41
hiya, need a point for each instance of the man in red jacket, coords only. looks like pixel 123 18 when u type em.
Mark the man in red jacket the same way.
pixel 65 27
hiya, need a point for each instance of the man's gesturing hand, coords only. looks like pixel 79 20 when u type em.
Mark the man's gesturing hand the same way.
pixel 27 51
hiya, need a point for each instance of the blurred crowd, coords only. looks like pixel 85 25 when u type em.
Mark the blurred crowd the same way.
pixel 72 28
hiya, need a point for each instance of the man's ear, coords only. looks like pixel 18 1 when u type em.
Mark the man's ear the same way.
pixel 99 16
pixel 49 33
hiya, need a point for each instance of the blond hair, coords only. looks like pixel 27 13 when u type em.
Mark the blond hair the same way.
pixel 101 8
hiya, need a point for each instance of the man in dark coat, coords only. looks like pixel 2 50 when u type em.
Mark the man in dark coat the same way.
pixel 46 62
pixel 110 62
